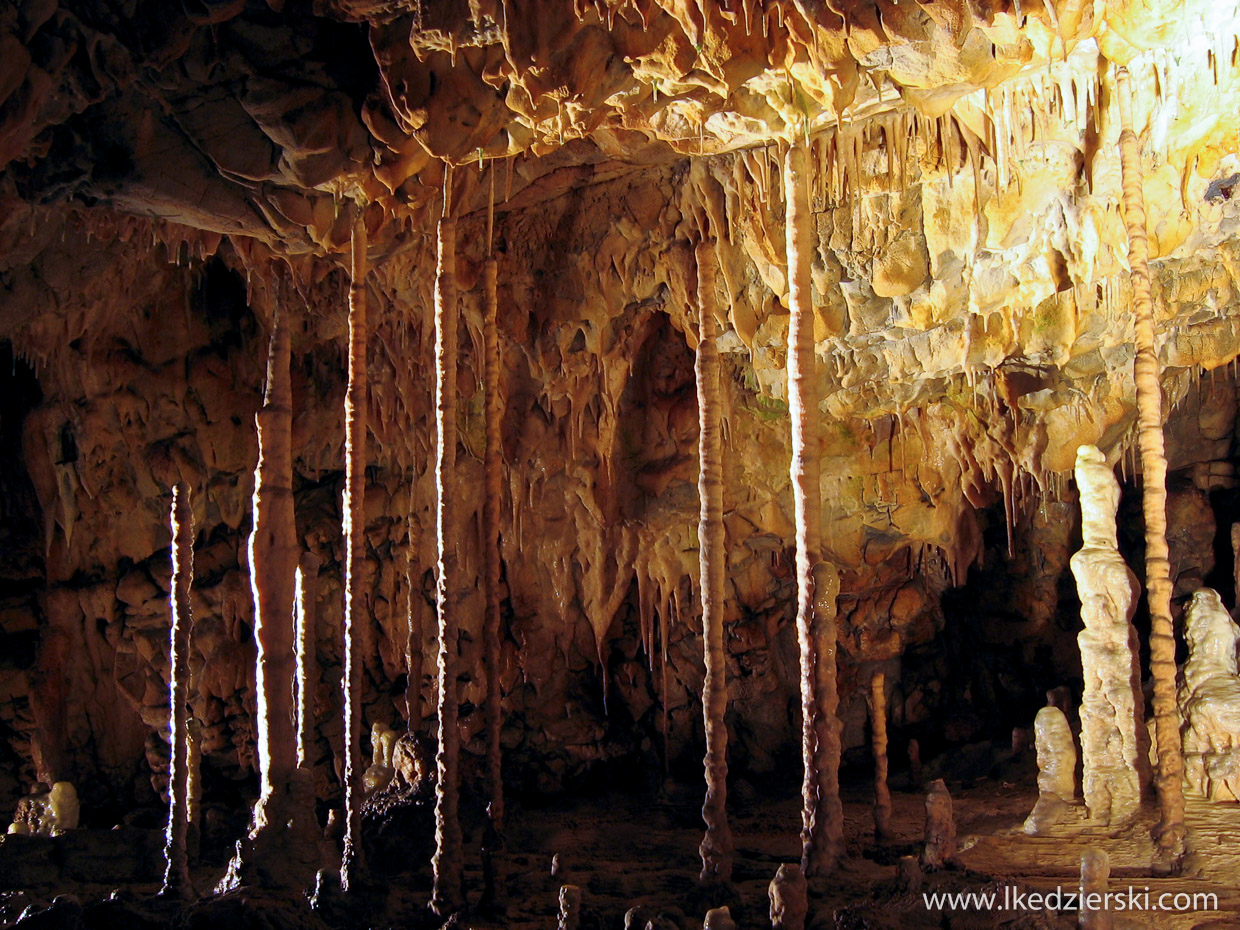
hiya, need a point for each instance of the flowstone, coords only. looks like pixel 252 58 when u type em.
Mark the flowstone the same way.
pixel 49 813
pixel 1209 700
pixel 1113 734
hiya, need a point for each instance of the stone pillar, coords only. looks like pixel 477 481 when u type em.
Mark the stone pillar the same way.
pixel 1114 740
pixel 176 858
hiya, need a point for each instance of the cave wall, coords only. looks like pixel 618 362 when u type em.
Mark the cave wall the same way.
pixel 968 345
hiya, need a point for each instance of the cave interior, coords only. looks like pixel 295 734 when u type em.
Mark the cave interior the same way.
pixel 619 463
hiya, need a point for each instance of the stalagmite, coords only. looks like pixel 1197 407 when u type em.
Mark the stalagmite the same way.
pixel 878 740
pixel 789 898
pixel 355 401
pixel 909 876
pixel 940 841
pixel 1209 700
pixel 1093 913
pixel 1056 770
pixel 570 908
pixel 719 918
pixel 281 842
pixel 1170 833
pixel 716 847
pixel 307 655
pixel 448 859
pixel 176 859
pixel 490 527
pixel 1111 705
pixel 821 827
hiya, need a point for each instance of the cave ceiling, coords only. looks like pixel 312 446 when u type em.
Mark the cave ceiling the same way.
pixel 966 190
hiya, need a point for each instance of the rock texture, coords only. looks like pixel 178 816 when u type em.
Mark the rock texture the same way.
pixel 1209 700
pixel 1112 706
pixel 969 294
pixel 1056 750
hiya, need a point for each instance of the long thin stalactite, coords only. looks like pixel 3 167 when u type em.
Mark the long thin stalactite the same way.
pixel 1147 372
pixel 352 862
pixel 448 861
pixel 716 848
pixel 176 856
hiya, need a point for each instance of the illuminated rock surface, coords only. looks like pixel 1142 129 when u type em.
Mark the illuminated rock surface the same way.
pixel 163 166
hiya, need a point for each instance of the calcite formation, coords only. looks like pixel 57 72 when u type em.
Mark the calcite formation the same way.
pixel 1112 709
pixel 47 813
pixel 789 904
pixel 1056 751
pixel 1209 700
pixel 915 254
pixel 939 845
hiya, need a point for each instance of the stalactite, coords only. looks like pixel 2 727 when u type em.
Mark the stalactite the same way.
pixel 176 858
pixel 878 743
pixel 1169 779
pixel 448 858
pixel 307 654
pixel 716 848
pixel 490 525
pixel 353 862
pixel 821 835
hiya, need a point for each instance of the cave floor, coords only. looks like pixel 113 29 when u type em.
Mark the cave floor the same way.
pixel 623 851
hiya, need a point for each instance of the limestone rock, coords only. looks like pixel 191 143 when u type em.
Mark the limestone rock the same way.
pixel 1113 732
pixel 1209 700
pixel 940 835
pixel 1056 769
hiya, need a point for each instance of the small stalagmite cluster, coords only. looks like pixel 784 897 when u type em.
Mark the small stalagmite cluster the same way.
pixel 644 463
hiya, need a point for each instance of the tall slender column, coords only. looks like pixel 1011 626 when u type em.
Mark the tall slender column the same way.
pixel 273 565
pixel 821 831
pixel 1170 774
pixel 176 870
pixel 353 860
pixel 448 861
pixel 716 848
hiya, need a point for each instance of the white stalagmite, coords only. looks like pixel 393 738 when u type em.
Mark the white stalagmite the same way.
pixel 448 861
pixel 352 861
pixel 1056 770
pixel 176 858
pixel 716 847
pixel 1112 718
pixel 1147 371
pixel 821 820
pixel 1209 700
